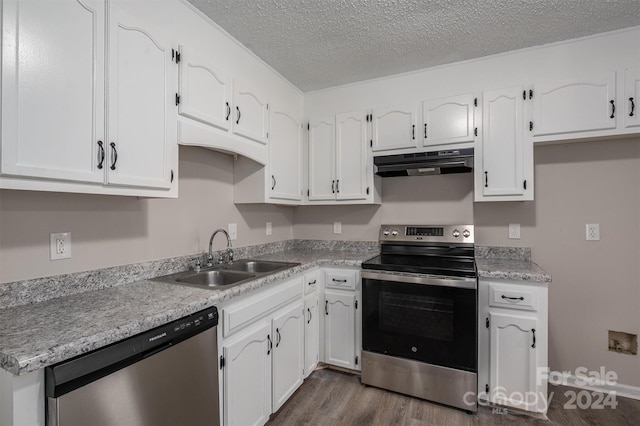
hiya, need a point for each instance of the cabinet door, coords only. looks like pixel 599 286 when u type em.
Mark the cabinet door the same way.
pixel 53 89
pixel 285 157
pixel 632 97
pixel 288 353
pixel 449 120
pixel 247 377
pixel 513 361
pixel 311 333
pixel 394 128
pixel 575 105
pixel 352 158
pixel 322 159
pixel 500 162
pixel 205 91
pixel 142 131
pixel 339 317
pixel 251 115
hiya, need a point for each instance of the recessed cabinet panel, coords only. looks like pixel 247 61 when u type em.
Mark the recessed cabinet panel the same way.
pixel 514 360
pixel 394 128
pixel 322 162
pixel 142 119
pixel 288 353
pixel 53 89
pixel 311 333
pixel 449 120
pixel 632 97
pixel 339 326
pixel 351 145
pixel 575 105
pixel 251 113
pixel 205 91
pixel 285 157
pixel 503 143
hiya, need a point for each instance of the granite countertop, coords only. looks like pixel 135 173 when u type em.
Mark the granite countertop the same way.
pixel 509 263
pixel 44 333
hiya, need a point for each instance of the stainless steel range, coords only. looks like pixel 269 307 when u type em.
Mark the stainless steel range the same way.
pixel 419 318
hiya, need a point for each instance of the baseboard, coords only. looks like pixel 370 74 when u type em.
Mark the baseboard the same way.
pixel 574 381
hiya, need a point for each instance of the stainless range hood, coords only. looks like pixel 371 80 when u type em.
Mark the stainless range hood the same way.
pixel 425 163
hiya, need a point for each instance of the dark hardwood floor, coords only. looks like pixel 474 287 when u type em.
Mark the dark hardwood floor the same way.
pixel 331 397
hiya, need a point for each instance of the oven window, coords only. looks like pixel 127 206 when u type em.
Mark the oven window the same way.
pixel 427 323
pixel 422 316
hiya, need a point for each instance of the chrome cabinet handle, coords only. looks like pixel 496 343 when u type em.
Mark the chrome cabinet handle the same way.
pixel 115 156
pixel 101 154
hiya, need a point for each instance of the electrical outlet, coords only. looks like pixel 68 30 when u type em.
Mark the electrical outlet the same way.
pixel 593 232
pixel 233 231
pixel 269 228
pixel 60 245
pixel 337 227
pixel 514 231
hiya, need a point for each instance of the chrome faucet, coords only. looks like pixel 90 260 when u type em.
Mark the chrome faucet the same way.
pixel 228 253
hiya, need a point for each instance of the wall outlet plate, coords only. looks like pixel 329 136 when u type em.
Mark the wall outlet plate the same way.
pixel 269 228
pixel 514 231
pixel 337 227
pixel 60 245
pixel 233 231
pixel 593 232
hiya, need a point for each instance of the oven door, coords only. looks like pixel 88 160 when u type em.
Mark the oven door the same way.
pixel 426 319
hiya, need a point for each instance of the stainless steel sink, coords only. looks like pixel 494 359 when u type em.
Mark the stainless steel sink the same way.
pixel 258 266
pixel 226 275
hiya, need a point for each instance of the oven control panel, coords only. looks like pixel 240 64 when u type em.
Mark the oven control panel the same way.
pixel 427 233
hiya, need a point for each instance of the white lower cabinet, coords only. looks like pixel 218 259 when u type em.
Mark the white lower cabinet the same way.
pixel 311 333
pixel 288 353
pixel 512 346
pixel 339 326
pixel 247 377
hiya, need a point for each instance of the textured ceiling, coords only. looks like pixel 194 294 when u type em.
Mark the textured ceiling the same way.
pixel 323 43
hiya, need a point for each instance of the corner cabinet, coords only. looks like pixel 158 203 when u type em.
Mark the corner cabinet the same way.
pixel 340 161
pixel 75 149
pixel 504 154
pixel 513 342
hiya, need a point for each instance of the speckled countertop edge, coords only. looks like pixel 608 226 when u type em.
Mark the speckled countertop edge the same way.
pixel 509 263
pixel 41 334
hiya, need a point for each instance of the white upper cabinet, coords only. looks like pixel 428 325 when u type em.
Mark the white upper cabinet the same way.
pixel 394 128
pixel 504 157
pixel 141 117
pixel 575 105
pixel 352 165
pixel 632 97
pixel 322 159
pixel 285 157
pixel 448 120
pixel 251 112
pixel 53 101
pixel 59 128
pixel 205 90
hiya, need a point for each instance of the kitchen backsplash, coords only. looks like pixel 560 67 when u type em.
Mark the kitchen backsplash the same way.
pixel 40 289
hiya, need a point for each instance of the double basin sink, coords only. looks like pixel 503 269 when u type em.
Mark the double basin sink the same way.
pixel 226 275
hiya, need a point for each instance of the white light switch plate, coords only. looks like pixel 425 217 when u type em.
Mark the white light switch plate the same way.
pixel 233 231
pixel 60 245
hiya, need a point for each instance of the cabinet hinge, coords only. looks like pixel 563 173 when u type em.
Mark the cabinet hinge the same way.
pixel 171 175
pixel 175 56
pixel 486 387
pixel 524 95
pixel 367 190
pixel 475 102
pixel 177 99
pixel 356 304
pixel 531 126
pixel 308 126
pixel 267 135
pixel 475 131
pixel 530 93
pixel 525 184
pixel 221 362
pixel 370 143
pixel 308 192
pixel 486 322
pixel 356 360
pixel 267 106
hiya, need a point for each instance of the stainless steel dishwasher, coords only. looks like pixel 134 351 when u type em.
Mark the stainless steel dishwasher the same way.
pixel 165 376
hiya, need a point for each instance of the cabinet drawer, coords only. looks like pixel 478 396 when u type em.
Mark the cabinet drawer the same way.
pixel 310 281
pixel 238 315
pixel 512 297
pixel 340 278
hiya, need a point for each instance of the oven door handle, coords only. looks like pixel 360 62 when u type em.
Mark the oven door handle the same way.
pixel 459 282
